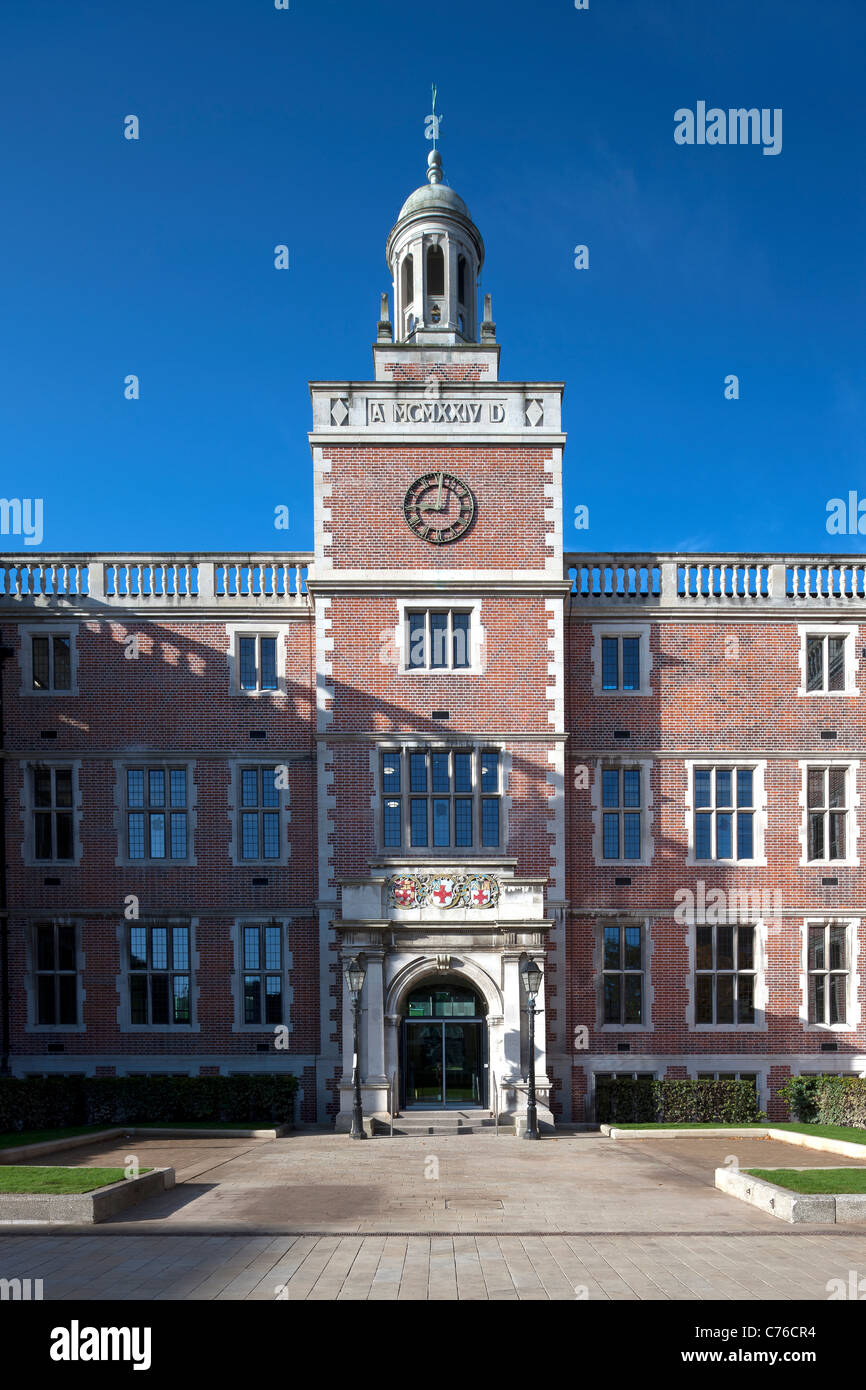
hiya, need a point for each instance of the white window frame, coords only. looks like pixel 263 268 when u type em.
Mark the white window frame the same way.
pixel 236 811
pixel 851 633
pixel 852 826
pixel 154 761
pixel 49 630
pixel 639 630
pixel 644 766
pixel 758 768
pixel 407 850
pixel 234 632
pixel 645 972
pixel 262 1029
pixel 759 974
pixel 852 997
pixel 395 641
pixel 32 971
pixel 124 1006
pixel 29 809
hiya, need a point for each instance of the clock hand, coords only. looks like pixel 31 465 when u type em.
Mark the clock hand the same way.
pixel 439 493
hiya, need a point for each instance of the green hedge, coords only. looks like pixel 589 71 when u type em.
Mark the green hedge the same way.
pixel 826 1100
pixel 58 1102
pixel 675 1102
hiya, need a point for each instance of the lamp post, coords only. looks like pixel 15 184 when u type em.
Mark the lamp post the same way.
pixel 530 972
pixel 354 976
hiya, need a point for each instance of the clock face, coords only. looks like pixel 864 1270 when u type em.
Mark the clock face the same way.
pixel 439 508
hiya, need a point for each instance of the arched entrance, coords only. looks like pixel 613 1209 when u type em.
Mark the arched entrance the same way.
pixel 444 1047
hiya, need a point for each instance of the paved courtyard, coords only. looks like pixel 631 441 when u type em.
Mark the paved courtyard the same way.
pixel 317 1216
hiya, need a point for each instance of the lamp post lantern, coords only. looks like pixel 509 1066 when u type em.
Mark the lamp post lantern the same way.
pixel 354 976
pixel 530 972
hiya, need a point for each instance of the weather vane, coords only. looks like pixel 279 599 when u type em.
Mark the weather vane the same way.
pixel 432 123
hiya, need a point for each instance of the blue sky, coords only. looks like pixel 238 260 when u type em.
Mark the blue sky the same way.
pixel 306 127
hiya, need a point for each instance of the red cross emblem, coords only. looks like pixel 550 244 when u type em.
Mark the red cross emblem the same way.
pixel 481 896
pixel 443 892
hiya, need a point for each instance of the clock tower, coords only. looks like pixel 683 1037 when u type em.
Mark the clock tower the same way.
pixel 439 601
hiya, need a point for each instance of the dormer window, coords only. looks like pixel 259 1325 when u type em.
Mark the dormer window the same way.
pixel 435 271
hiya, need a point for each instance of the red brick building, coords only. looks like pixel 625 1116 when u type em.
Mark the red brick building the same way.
pixel 442 746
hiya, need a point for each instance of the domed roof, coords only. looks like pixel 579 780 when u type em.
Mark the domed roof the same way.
pixel 433 197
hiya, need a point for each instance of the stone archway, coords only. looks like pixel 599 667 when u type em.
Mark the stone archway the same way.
pixel 440 1056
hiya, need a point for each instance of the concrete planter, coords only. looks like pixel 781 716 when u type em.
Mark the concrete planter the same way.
pixel 794 1207
pixel 83 1208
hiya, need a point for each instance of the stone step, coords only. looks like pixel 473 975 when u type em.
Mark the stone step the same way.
pixel 412 1123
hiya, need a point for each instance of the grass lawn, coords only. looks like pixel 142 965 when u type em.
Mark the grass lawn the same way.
pixel 18 1178
pixel 693 1124
pixel 816 1180
pixel 39 1136
pixel 853 1136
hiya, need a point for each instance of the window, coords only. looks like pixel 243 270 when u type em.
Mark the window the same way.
pixel 825 663
pixel 724 813
pixel 828 973
pixel 620 663
pixel 56 975
pixel 828 659
pixel 263 973
pixel 51 661
pixel 408 281
pixel 461 279
pixel 257 663
pixel 159 975
pixel 260 813
pixel 827 810
pixel 448 798
pixel 725 974
pixel 621 813
pixel 622 974
pixel 52 814
pixel 156 815
pixel 437 639
pixel 435 271
pixel 621 659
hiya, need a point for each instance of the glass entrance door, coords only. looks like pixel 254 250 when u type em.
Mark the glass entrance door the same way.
pixel 444 1063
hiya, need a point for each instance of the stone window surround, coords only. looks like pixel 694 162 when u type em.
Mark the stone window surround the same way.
pixel 28 839
pixel 30 959
pixel 238 972
pixel 124 1010
pixel 852 828
pixel 405 744
pixel 759 808
pixel 853 1012
pixel 445 600
pixel 234 631
pixel 622 629
pixel 851 633
pixel 234 810
pixel 25 658
pixel 147 760
pixel 624 919
pixel 761 996
pixel 644 765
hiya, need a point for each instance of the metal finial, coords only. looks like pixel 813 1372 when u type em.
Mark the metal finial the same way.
pixel 431 132
pixel 434 167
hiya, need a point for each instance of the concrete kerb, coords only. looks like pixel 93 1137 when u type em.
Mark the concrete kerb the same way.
pixel 818 1208
pixel 82 1208
pixel 844 1147
pixel 101 1136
